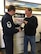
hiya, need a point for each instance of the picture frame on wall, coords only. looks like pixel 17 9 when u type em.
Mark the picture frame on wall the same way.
pixel 21 5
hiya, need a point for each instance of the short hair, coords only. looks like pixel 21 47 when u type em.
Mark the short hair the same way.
pixel 29 9
pixel 11 7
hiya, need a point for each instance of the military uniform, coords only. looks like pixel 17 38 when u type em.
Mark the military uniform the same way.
pixel 8 31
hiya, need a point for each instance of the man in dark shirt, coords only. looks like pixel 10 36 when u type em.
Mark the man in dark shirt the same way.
pixel 30 31
pixel 9 29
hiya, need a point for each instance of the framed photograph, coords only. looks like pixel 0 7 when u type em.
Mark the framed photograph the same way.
pixel 18 18
pixel 20 5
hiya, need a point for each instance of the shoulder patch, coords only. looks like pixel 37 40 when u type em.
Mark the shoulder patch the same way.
pixel 9 25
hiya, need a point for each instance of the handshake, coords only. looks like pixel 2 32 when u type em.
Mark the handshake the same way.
pixel 21 27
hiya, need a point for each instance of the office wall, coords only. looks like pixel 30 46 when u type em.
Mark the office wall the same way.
pixel 38 28
pixel 1 7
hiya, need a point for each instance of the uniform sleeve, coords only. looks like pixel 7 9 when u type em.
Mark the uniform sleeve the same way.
pixel 14 27
pixel 9 26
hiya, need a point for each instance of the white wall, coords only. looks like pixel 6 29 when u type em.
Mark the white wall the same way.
pixel 1 13
pixel 1 7
pixel 38 28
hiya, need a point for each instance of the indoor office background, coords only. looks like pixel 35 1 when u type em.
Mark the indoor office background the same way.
pixel 19 16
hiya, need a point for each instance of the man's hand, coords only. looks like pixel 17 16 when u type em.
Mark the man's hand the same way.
pixel 25 22
pixel 20 29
